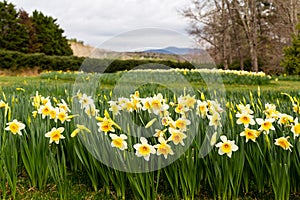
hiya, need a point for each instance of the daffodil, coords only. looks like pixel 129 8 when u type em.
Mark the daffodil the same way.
pixel 55 135
pixel 91 110
pixel 283 143
pixel 296 108
pixel 144 149
pixel 190 101
pixel 265 125
pixel 44 100
pixel 201 109
pixel 63 105
pixel 78 95
pixel 128 106
pixel 187 101
pixel 15 127
pixel 2 104
pixel 34 114
pixel 160 133
pixel 157 104
pixel 136 103
pixel 285 119
pixel 250 134
pixel 245 109
pixel 53 113
pixel 36 100
pixel 118 141
pixel 214 107
pixel 114 107
pixel 213 139
pixel 177 136
pixel 163 148
pixel 136 95
pixel 85 101
pixel 146 103
pixel 181 108
pixel 106 125
pixel 165 121
pixel 270 111
pixel 181 123
pixel 215 120
pixel 62 115
pixel 244 118
pixel 45 109
pixel 123 102
pixel 226 146
pixel 296 128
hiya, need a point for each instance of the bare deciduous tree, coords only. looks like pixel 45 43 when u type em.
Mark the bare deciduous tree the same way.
pixel 237 30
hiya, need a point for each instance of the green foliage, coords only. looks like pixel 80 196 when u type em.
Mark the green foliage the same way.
pixel 111 66
pixel 291 59
pixel 49 35
pixel 247 65
pixel 13 35
pixel 229 77
pixel 14 60
pixel 31 34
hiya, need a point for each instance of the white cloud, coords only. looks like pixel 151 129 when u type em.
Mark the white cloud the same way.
pixel 94 21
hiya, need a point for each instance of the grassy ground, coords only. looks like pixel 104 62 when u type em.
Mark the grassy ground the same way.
pixel 279 85
pixel 20 81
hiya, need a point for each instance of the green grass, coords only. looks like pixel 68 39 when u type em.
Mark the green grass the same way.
pixel 21 81
pixel 272 86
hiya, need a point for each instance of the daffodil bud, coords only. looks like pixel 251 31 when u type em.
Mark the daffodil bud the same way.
pixel 75 132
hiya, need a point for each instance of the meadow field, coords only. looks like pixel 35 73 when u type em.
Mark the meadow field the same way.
pixel 235 137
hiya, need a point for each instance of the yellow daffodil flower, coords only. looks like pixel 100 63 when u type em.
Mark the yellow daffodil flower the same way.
pixel 15 127
pixel 55 135
pixel 226 146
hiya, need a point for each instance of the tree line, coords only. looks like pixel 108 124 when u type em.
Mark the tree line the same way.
pixel 241 31
pixel 35 33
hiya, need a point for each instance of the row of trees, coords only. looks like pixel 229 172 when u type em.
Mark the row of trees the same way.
pixel 37 33
pixel 240 30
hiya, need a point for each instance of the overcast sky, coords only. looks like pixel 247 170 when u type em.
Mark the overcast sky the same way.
pixel 96 21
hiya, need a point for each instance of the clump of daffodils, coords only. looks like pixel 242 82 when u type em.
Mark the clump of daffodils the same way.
pixel 55 110
pixel 174 117
pixel 175 127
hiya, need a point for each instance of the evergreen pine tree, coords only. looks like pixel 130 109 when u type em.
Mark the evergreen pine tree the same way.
pixel 50 37
pixel 13 35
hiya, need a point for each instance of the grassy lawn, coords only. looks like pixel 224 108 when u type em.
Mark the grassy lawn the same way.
pixel 19 81
pixel 280 85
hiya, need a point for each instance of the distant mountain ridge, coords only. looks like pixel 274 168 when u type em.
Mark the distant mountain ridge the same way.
pixel 169 53
pixel 175 50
